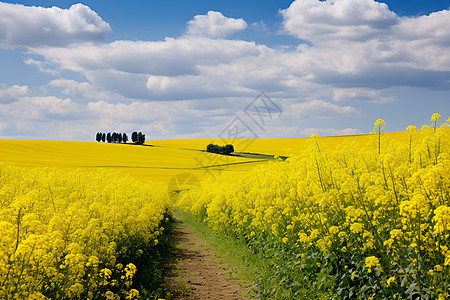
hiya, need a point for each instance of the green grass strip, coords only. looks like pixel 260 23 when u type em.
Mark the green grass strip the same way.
pixel 240 263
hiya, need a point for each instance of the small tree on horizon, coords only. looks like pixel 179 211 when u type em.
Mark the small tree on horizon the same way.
pixel 224 150
pixel 140 138
pixel 134 137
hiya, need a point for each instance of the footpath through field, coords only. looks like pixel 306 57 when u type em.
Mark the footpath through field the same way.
pixel 195 271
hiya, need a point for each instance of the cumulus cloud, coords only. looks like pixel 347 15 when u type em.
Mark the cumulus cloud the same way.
pixel 45 118
pixel 214 24
pixel 62 118
pixel 171 57
pixel 189 67
pixel 12 93
pixel 431 28
pixel 52 117
pixel 328 131
pixel 47 108
pixel 361 94
pixel 318 21
pixel 362 44
pixel 357 44
pixel 25 26
pixel 82 90
pixel 322 110
pixel 360 50
pixel 40 65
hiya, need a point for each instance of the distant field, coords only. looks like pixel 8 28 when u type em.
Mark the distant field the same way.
pixel 158 164
pixel 158 160
pixel 272 146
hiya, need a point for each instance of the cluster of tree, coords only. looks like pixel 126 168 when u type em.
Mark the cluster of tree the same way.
pixel 224 150
pixel 138 137
pixel 111 137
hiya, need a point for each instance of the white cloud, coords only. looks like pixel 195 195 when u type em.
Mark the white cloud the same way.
pixel 62 118
pixel 56 118
pixel 12 93
pixel 328 131
pixel 214 24
pixel 362 44
pixel 40 65
pixel 195 67
pixel 322 110
pixel 321 21
pixel 432 28
pixel 360 51
pixel 25 26
pixel 82 90
pixel 171 57
pixel 361 94
pixel 46 108
pixel 259 26
pixel 142 70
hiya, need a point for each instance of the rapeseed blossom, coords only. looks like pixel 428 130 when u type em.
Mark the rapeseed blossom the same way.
pixel 373 263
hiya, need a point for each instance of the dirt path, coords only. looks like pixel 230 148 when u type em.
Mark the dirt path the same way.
pixel 194 272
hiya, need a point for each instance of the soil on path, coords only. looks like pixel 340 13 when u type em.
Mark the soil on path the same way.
pixel 194 272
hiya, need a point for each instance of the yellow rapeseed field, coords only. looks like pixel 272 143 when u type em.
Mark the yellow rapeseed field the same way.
pixel 365 216
pixel 154 163
pixel 354 220
pixel 75 235
pixel 271 146
pixel 157 161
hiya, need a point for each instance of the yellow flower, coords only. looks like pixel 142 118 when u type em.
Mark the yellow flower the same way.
pixel 442 219
pixel 342 235
pixel 130 270
pixel 438 268
pixel 75 290
pixel 133 294
pixel 356 227
pixel 105 273
pixel 379 125
pixel 390 280
pixel 334 229
pixel 443 296
pixel 373 262
pixel 396 233
pixel 435 117
pixel 447 259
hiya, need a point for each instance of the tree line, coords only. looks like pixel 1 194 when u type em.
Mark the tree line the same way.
pixel 136 137
pixel 224 150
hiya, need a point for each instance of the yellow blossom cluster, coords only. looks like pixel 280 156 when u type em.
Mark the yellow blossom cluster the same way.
pixel 373 263
pixel 62 235
pixel 384 206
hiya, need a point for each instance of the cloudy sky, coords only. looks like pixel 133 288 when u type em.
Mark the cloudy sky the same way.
pixel 185 69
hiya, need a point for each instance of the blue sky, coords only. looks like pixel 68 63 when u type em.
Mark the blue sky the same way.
pixel 185 69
